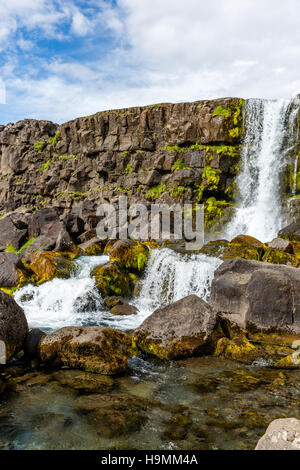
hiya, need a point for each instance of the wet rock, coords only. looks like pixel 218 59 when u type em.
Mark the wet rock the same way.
pixel 93 349
pixel 92 247
pixel 84 382
pixel 124 309
pixel 49 265
pixel 214 248
pixel 245 290
pixel 112 280
pixel 10 234
pixel 129 254
pixel 114 300
pixel 282 434
pixel 31 343
pixel 13 325
pixel 178 425
pixel 182 329
pixel 291 232
pixel 114 415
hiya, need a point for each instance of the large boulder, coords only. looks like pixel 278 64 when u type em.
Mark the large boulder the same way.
pixel 93 349
pixel 182 329
pixel 49 265
pixel 10 234
pixel 13 325
pixel 258 296
pixel 282 434
pixel 12 271
pixel 112 280
pixel 41 243
pixel 129 254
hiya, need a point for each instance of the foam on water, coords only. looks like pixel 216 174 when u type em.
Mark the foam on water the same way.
pixel 76 302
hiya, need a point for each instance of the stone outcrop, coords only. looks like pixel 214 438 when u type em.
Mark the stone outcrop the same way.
pixel 259 296
pixel 13 325
pixel 93 349
pixel 167 151
pixel 282 434
pixel 182 329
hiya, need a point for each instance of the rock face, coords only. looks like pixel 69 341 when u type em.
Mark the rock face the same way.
pixel 148 153
pixel 13 325
pixel 260 296
pixel 282 434
pixel 93 349
pixel 182 329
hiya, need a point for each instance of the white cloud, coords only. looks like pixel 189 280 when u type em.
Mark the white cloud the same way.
pixel 166 50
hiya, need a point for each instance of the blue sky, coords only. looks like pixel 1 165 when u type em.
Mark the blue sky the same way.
pixel 63 59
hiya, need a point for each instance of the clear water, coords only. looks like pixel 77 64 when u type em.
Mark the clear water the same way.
pixel 199 403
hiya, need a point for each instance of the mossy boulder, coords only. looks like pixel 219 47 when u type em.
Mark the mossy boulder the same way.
pixel 93 349
pixel 13 273
pixel 244 246
pixel 49 265
pixel 112 280
pixel 93 247
pixel 275 256
pixel 291 232
pixel 237 349
pixel 129 255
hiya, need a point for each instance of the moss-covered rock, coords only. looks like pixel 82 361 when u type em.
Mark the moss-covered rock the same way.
pixel 237 349
pixel 93 349
pixel 129 255
pixel 93 247
pixel 214 248
pixel 49 265
pixel 112 280
pixel 244 246
pixel 275 256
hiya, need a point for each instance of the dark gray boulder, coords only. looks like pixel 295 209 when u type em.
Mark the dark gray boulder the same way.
pixel 11 268
pixel 256 295
pixel 182 329
pixel 13 325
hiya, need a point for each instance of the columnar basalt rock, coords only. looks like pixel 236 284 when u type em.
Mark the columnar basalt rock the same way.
pixel 186 151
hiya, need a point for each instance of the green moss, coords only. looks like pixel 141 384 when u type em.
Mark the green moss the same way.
pixel 53 140
pixel 155 192
pixel 211 177
pixel 11 249
pixel 128 169
pixel 177 191
pixel 112 280
pixel 45 165
pixel 126 153
pixel 220 111
pixel 40 145
pixel 129 255
pixel 179 165
pixel 68 157
pixel 175 148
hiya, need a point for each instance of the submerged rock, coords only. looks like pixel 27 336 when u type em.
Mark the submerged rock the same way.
pixel 282 434
pixel 114 416
pixel 13 325
pixel 93 349
pixel 184 328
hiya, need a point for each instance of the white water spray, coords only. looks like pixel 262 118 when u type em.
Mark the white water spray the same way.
pixel 169 276
pixel 259 204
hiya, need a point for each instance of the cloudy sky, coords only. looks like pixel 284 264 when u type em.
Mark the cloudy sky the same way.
pixel 60 59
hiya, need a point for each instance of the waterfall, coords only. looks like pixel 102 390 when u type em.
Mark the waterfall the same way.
pixel 169 276
pixel 258 210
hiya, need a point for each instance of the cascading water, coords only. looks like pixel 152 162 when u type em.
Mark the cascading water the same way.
pixel 259 203
pixel 76 302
